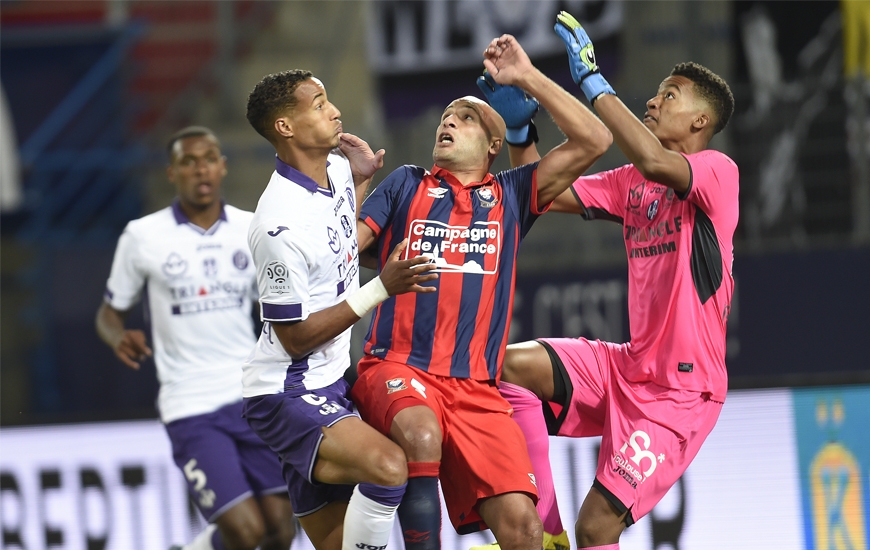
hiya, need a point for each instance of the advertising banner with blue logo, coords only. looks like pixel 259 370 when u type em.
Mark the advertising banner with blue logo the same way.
pixel 784 469
pixel 833 441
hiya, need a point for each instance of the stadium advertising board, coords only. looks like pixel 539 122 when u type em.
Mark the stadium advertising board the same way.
pixel 798 460
pixel 414 37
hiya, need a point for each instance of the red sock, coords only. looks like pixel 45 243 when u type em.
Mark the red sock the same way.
pixel 529 416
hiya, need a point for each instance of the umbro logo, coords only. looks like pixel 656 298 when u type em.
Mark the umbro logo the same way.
pixel 437 192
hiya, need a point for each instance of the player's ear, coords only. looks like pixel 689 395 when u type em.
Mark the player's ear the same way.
pixel 701 121
pixel 495 146
pixel 283 128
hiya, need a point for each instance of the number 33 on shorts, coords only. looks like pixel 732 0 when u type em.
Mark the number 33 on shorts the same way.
pixel 320 401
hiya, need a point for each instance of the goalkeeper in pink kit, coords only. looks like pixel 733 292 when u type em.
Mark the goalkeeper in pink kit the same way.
pixel 654 399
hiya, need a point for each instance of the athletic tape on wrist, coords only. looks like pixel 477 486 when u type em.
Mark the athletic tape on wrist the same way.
pixel 368 297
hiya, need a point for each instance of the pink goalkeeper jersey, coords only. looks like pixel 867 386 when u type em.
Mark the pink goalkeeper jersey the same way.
pixel 680 256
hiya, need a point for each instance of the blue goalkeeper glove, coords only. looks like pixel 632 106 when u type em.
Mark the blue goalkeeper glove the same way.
pixel 581 56
pixel 515 106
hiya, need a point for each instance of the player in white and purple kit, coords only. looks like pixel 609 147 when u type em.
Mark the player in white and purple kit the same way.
pixel 304 245
pixel 193 257
pixel 654 399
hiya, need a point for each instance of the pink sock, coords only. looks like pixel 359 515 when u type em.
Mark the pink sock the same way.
pixel 529 416
pixel 605 547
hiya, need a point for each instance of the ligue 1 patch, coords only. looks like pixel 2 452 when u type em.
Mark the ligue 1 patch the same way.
pixel 652 210
pixel 396 384
pixel 436 192
pixel 685 367
pixel 277 272
pixel 486 197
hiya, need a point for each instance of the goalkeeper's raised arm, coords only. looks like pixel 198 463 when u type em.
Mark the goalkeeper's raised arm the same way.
pixel 587 138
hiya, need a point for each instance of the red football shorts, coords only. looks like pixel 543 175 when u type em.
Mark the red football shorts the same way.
pixel 483 452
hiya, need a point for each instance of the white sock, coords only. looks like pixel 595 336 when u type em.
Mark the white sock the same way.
pixel 367 524
pixel 202 540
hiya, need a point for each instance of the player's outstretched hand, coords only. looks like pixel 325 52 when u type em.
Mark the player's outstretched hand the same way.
pixel 515 106
pixel 507 61
pixel 132 348
pixel 400 276
pixel 581 57
pixel 363 162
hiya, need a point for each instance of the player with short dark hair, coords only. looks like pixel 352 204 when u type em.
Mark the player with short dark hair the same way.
pixel 654 399
pixel 432 361
pixel 193 257
pixel 304 244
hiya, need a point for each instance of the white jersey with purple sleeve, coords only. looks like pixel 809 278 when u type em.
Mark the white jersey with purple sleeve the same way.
pixel 200 288
pixel 303 240
pixel 680 255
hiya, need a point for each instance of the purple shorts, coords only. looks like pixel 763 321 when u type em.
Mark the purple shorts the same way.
pixel 291 424
pixel 223 461
pixel 649 434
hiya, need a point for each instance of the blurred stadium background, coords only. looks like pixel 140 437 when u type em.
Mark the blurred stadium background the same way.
pixel 91 89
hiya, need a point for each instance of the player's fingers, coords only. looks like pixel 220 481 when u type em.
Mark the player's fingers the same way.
pixel 425 278
pixel 127 360
pixel 350 139
pixel 417 260
pixel 423 289
pixel 506 41
pixel 138 344
pixel 379 158
pixel 490 67
pixel 397 251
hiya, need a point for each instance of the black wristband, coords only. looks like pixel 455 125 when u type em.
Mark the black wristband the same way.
pixel 532 136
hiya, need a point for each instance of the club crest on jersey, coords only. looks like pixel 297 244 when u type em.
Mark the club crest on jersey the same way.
pixel 209 267
pixel 436 192
pixel 635 194
pixel 345 224
pixel 240 260
pixel 174 266
pixel 334 242
pixel 652 210
pixel 486 197
pixel 396 384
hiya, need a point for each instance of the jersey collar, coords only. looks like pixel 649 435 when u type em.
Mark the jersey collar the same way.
pixel 181 218
pixel 288 172
pixel 451 180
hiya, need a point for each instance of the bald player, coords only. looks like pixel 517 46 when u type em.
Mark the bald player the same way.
pixel 432 360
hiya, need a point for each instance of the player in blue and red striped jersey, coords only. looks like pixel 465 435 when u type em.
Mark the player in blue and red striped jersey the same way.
pixel 432 361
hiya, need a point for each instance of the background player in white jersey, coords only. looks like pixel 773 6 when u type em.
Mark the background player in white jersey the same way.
pixel 655 399
pixel 304 244
pixel 193 257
